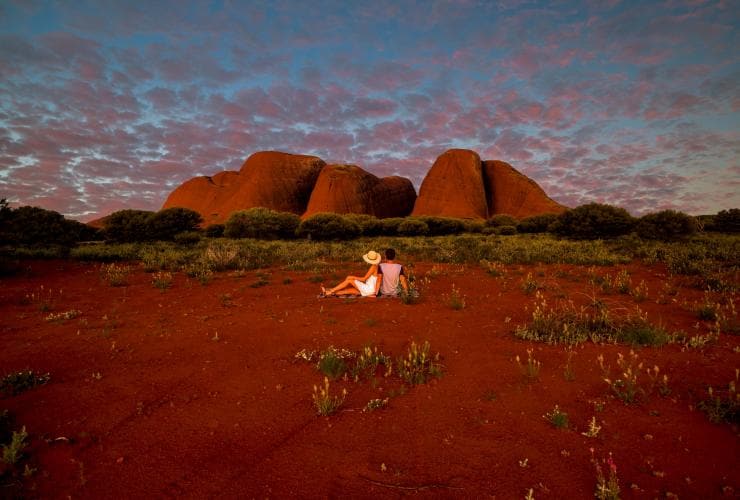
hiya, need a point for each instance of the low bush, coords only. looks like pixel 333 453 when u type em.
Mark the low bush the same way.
pixel 128 226
pixel 439 226
pixel 727 221
pixel 505 230
pixel 594 221
pixel 262 223
pixel 666 225
pixel 214 231
pixel 499 220
pixel 166 224
pixel 328 226
pixel 187 238
pixel 390 225
pixel 536 223
pixel 413 227
pixel 37 226
pixel 370 226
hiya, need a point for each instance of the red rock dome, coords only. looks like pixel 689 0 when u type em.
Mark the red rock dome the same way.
pixel 510 192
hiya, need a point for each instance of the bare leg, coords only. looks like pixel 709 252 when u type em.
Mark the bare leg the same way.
pixel 348 283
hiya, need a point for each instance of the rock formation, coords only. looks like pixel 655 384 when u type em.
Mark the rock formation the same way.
pixel 453 187
pixel 349 189
pixel 278 181
pixel 508 191
pixel 459 184
pixel 206 195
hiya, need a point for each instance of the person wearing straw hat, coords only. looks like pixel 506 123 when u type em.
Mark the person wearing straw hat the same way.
pixel 367 286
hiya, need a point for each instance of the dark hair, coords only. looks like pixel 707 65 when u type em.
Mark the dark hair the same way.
pixel 390 254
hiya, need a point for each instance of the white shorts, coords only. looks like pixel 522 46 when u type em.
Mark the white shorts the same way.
pixel 368 288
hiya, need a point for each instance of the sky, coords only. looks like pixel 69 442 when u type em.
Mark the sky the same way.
pixel 110 104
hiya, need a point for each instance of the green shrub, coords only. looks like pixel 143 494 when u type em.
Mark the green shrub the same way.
pixel 505 230
pixel 328 226
pixel 499 220
pixel 390 225
pixel 536 223
pixel 594 221
pixel 474 226
pixel 413 227
pixel 727 221
pixel 439 226
pixel 128 226
pixel 187 238
pixel 370 226
pixel 166 224
pixel 262 223
pixel 37 226
pixel 214 231
pixel 666 225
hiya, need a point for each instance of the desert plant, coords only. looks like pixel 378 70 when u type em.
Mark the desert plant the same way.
pixel 723 405
pixel 220 255
pixel 500 220
pixel 495 269
pixel 505 230
pixel 214 230
pixel 568 372
pixel 530 369
pixel 727 221
pixel 368 361
pixel 558 418
pixel 593 428
pixel 169 222
pixel 187 238
pixel 128 226
pixel 442 225
pixel 455 299
pixel 332 362
pixel 530 285
pixel 536 223
pixel 262 223
pixel 162 280
pixel 626 386
pixel 18 382
pixel 667 225
pixel 413 227
pixel 328 226
pixel 115 274
pixel 607 487
pixel 63 316
pixel 325 403
pixel 12 451
pixel 418 365
pixel 375 404
pixel 640 292
pixel 594 221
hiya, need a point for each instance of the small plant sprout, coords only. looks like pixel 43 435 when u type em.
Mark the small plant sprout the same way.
pixel 640 292
pixel 44 298
pixel 568 373
pixel 62 316
pixel 593 429
pixel 323 401
pixel 623 283
pixel 723 405
pixel 530 369
pixel 557 418
pixel 626 387
pixel 495 269
pixel 607 487
pixel 115 274
pixel 456 300
pixel 530 285
pixel 16 383
pixel 657 381
pixel 12 451
pixel 418 365
pixel 162 280
pixel 530 494
pixel 375 404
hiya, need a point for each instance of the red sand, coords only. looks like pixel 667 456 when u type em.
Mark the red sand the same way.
pixel 176 413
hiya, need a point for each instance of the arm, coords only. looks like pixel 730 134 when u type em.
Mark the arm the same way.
pixel 404 283
pixel 373 270
pixel 378 282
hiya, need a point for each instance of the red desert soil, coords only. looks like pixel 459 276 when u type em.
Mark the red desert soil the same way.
pixel 196 392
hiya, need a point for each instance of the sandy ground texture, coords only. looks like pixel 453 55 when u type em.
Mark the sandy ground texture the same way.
pixel 195 392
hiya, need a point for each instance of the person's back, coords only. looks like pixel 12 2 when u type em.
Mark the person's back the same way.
pixel 391 274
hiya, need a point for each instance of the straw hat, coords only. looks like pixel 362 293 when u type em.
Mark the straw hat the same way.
pixel 372 257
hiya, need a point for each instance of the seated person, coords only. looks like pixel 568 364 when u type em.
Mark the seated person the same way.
pixel 393 274
pixel 367 286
